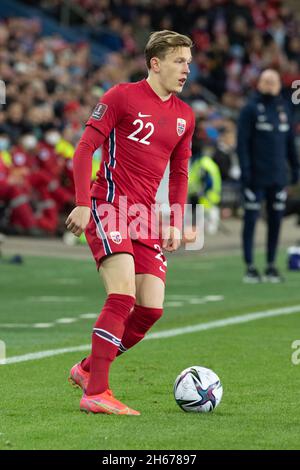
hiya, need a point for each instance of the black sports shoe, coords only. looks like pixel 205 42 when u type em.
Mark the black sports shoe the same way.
pixel 252 276
pixel 272 275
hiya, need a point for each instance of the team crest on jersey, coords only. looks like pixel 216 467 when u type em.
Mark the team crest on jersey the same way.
pixel 116 237
pixel 181 124
pixel 99 111
pixel 283 116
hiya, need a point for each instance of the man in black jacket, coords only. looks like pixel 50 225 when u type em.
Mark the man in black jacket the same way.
pixel 265 147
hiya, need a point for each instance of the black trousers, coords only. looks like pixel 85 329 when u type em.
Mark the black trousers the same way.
pixel 275 198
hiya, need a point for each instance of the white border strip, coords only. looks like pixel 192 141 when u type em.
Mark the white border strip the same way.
pixel 167 333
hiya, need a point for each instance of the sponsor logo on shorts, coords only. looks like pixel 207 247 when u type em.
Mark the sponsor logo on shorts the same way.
pixel 99 111
pixel 181 124
pixel 116 237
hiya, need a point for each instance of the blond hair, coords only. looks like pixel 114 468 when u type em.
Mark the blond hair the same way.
pixel 161 42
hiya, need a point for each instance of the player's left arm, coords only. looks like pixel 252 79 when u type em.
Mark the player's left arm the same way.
pixel 178 186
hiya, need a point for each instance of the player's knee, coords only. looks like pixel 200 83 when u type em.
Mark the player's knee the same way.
pixel 122 286
pixel 146 300
pixel 150 296
pixel 150 300
pixel 127 287
pixel 118 278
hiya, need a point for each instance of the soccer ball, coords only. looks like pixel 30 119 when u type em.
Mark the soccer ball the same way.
pixel 198 389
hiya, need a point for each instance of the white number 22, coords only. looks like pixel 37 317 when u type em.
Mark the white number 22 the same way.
pixel 140 123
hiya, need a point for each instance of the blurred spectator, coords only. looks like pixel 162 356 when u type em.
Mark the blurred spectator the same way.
pixel 265 148
pixel 14 194
pixel 205 187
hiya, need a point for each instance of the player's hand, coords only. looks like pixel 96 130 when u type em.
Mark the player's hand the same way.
pixel 78 220
pixel 171 239
pixel 189 235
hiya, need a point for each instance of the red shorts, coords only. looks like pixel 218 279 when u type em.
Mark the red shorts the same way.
pixel 110 232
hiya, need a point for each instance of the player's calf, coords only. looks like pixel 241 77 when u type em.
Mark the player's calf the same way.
pixel 140 320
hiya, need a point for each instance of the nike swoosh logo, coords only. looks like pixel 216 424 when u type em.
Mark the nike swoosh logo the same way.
pixel 108 407
pixel 144 115
pixel 162 269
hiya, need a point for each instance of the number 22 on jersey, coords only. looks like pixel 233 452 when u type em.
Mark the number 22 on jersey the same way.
pixel 140 124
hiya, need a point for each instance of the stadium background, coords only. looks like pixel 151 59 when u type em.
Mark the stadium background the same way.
pixel 57 59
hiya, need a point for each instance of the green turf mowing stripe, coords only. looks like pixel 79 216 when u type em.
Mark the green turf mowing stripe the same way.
pixel 167 333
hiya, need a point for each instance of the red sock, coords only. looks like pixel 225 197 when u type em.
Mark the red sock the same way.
pixel 106 338
pixel 138 322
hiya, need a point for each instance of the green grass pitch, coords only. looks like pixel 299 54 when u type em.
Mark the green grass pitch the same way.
pixel 260 405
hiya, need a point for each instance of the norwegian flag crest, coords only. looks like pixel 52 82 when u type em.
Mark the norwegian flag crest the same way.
pixel 181 124
pixel 116 237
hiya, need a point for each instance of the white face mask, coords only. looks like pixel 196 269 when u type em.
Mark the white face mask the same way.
pixel 29 142
pixel 52 138
pixel 4 143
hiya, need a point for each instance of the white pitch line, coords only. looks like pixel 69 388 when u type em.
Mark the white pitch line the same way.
pixel 173 302
pixel 42 325
pixel 43 354
pixel 66 320
pixel 214 298
pixel 26 325
pixel 167 333
pixel 59 321
pixel 89 315
pixel 54 298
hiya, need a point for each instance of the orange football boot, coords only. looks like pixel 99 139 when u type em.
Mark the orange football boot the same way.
pixel 79 377
pixel 105 403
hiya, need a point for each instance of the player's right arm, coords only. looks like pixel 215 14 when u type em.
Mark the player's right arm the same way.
pixel 78 219
pixel 105 117
pixel 244 142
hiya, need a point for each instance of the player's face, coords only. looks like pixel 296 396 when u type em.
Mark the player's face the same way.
pixel 174 69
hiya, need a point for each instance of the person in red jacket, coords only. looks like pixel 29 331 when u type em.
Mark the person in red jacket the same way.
pixel 50 162
pixel 14 192
pixel 41 184
pixel 142 127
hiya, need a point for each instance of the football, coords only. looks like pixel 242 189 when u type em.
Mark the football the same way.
pixel 198 389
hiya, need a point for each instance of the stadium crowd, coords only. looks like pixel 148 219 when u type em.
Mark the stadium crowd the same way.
pixel 52 86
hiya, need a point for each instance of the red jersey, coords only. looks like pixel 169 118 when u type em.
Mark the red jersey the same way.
pixel 22 159
pixel 140 134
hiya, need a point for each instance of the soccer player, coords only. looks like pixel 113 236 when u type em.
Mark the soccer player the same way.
pixel 142 127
